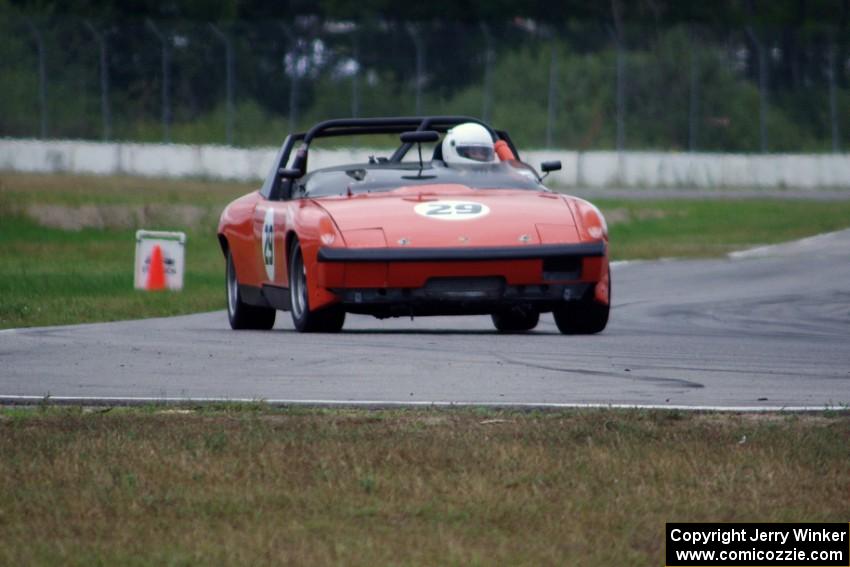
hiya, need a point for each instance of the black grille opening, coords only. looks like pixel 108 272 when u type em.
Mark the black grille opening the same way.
pixel 470 287
pixel 562 268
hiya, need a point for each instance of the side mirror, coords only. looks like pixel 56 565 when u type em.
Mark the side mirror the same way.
pixel 289 173
pixel 550 166
pixel 419 137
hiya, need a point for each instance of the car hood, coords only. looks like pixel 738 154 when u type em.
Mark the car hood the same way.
pixel 451 215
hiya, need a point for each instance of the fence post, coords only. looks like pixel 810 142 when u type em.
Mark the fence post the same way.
pixel 166 81
pixel 615 29
pixel 489 56
pixel 833 103
pixel 355 76
pixel 229 86
pixel 621 95
pixel 762 59
pixel 693 106
pixel 42 76
pixel 294 76
pixel 419 46
pixel 105 110
pixel 553 92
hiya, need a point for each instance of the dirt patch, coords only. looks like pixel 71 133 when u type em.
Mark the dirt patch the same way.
pixel 116 216
pixel 757 418
pixel 432 420
pixel 617 216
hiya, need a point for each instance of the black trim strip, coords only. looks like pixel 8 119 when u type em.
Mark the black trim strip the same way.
pixel 277 296
pixel 460 254
pixel 253 295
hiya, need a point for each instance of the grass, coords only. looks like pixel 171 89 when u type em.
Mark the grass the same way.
pixel 65 273
pixel 67 242
pixel 702 229
pixel 256 485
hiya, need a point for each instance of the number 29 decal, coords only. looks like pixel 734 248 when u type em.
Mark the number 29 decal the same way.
pixel 452 210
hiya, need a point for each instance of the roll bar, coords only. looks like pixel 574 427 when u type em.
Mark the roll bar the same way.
pixel 384 125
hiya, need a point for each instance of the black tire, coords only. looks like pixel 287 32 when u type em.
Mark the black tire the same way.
pixel 327 320
pixel 515 320
pixel 581 318
pixel 585 317
pixel 240 314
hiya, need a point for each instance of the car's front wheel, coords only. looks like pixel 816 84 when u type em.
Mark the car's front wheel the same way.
pixel 306 320
pixel 585 317
pixel 581 318
pixel 240 314
pixel 515 320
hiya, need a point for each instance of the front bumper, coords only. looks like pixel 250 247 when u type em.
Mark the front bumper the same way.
pixel 391 281
pixel 413 267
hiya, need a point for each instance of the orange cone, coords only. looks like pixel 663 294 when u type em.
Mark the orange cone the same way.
pixel 156 270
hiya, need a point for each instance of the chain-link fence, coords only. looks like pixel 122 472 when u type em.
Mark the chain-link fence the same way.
pixel 578 86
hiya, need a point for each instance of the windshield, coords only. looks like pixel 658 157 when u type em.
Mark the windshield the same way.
pixel 366 178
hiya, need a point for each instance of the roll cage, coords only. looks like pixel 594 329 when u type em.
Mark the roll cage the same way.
pixel 276 187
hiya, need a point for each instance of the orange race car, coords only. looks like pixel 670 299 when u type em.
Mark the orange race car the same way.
pixel 470 231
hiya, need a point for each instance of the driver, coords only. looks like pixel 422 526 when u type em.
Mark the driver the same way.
pixel 468 143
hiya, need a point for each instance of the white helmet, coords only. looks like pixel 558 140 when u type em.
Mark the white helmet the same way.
pixel 468 143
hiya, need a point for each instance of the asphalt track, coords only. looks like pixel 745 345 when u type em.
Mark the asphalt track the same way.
pixel 769 328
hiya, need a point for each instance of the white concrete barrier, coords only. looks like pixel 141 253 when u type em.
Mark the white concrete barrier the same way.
pixel 580 169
